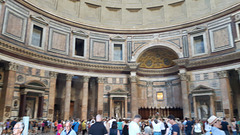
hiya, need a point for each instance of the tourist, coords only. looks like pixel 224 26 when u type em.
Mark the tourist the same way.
pixel 13 123
pixel 174 130
pixel 147 129
pixel 197 128
pixel 84 127
pixel 110 122
pixel 120 126
pixel 18 128
pixel 234 126
pixel 68 129
pixel 165 126
pixel 125 128
pixel 75 126
pixel 114 130
pixel 216 124
pixel 134 128
pixel 225 126
pixel 59 127
pixel 98 127
pixel 238 124
pixel 156 127
pixel 207 126
pixel 188 127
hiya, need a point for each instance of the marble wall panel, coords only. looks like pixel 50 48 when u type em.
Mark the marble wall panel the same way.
pixel 177 11
pixel 113 15
pixel 98 49
pixel 14 25
pixel 203 7
pixel 58 41
pixel 221 38
pixel 154 14
pixel 133 16
pixel 93 12
pixel 72 10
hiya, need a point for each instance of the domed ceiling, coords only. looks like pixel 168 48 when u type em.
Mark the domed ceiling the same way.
pixel 157 58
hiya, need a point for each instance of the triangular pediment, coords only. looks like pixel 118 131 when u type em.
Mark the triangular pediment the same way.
pixel 80 33
pixel 202 87
pixel 118 38
pixel 118 90
pixel 39 19
pixel 198 29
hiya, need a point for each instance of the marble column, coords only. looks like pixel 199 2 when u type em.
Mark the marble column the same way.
pixel 226 94
pixel 7 91
pixel 195 107
pixel 185 92
pixel 111 107
pixel 22 107
pixel 85 98
pixel 126 110
pixel 150 99
pixel 134 96
pixel 52 94
pixel 100 95
pixel 212 105
pixel 67 96
pixel 40 106
pixel 238 92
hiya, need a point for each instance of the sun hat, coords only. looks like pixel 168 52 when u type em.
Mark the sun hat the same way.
pixel 213 119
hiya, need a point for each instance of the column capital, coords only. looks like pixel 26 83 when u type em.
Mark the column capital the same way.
pixel 53 74
pixel 184 77
pixel 101 79
pixel 69 77
pixel 133 66
pixel 168 83
pixel 86 79
pixel 133 79
pixel 222 74
pixel 149 83
pixel 12 66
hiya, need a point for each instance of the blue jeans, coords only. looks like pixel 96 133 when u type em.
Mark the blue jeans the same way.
pixel 120 131
pixel 226 132
pixel 234 132
pixel 157 133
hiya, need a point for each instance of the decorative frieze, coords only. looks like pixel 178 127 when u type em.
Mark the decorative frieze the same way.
pixel 184 77
pixel 222 74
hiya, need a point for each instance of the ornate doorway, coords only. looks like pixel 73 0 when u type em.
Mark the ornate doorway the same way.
pixel 118 103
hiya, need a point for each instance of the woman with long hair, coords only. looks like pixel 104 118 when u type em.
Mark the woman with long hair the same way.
pixel 197 128
pixel 113 129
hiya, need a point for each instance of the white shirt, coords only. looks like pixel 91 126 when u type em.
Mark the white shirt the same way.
pixel 156 127
pixel 207 127
pixel 110 122
pixel 197 128
pixel 133 128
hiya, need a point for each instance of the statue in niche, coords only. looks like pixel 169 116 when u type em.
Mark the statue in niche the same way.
pixel 29 110
pixel 117 110
pixel 204 110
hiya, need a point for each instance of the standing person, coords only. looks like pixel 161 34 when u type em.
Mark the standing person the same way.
pixel 43 126
pixel 197 128
pixel 114 130
pixel 84 127
pixel 165 126
pixel 234 126
pixel 18 128
pixel 225 126
pixel 59 127
pixel 207 126
pixel 174 130
pixel 156 127
pixel 188 127
pixel 216 124
pixel 238 124
pixel 147 129
pixel 68 129
pixel 134 128
pixel 13 123
pixel 120 126
pixel 75 126
pixel 98 127
pixel 125 129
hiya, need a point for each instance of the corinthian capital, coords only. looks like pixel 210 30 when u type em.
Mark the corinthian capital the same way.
pixel 222 74
pixel 86 79
pixel 69 77
pixel 133 79
pixel 184 77
pixel 53 74
pixel 12 66
pixel 101 79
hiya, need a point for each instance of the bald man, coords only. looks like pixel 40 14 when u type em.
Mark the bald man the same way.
pixel 98 128
pixel 68 129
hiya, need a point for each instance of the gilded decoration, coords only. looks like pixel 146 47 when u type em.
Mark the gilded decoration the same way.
pixel 157 59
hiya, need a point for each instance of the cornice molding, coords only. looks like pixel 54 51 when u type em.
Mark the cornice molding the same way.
pixel 190 63
pixel 163 71
pixel 58 61
pixel 131 31
pixel 39 19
